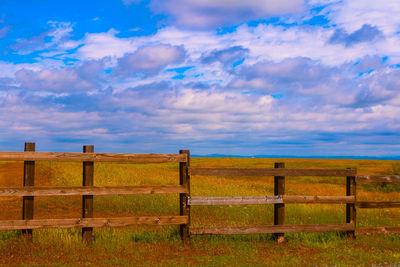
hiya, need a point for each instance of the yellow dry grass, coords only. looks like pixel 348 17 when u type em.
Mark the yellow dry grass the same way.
pixel 162 246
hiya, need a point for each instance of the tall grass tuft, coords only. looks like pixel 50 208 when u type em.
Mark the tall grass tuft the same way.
pixel 396 168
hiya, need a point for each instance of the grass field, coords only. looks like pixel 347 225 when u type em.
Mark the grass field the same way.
pixel 152 246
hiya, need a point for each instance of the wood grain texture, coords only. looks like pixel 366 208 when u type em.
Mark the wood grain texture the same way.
pixel 95 157
pixel 270 229
pixel 90 190
pixel 351 207
pixel 279 208
pixel 377 204
pixel 29 180
pixel 184 207
pixel 87 200
pixel 206 171
pixel 91 222
pixel 377 230
pixel 378 178
pixel 256 200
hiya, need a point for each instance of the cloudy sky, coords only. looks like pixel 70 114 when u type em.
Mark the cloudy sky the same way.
pixel 254 77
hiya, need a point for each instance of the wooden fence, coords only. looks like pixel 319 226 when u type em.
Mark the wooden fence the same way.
pixel 87 191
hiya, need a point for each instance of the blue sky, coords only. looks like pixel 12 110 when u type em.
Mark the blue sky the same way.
pixel 255 77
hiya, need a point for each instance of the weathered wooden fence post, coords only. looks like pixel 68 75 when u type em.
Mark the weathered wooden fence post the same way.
pixel 29 179
pixel 279 209
pixel 351 207
pixel 184 208
pixel 87 200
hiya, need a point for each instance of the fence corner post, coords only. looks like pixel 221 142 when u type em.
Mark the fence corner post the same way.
pixel 279 209
pixel 87 200
pixel 29 180
pixel 351 207
pixel 184 207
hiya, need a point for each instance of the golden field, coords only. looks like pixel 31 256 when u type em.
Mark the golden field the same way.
pixel 152 246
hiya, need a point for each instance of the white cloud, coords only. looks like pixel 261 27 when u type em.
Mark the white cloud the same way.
pixel 211 102
pixel 42 120
pixel 209 13
pixel 190 116
pixel 8 70
pixel 51 80
pixel 81 78
pixel 57 39
pixel 100 45
pixel 275 43
pixel 150 59
pixel 263 42
pixel 61 31
pixel 352 15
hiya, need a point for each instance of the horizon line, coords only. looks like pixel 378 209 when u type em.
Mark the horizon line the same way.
pixel 305 157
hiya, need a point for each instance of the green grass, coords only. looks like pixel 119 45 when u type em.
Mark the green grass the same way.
pixel 161 246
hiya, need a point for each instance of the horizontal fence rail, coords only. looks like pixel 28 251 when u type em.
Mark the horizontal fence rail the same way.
pixel 95 157
pixel 205 171
pixel 91 190
pixel 271 229
pixel 91 222
pixel 285 199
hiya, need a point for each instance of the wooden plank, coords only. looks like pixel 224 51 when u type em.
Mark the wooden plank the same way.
pixel 206 171
pixel 257 200
pixel 246 200
pixel 377 204
pixel 319 199
pixel 90 190
pixel 271 229
pixel 184 207
pixel 377 230
pixel 351 207
pixel 279 208
pixel 378 178
pixel 91 222
pixel 95 157
pixel 29 180
pixel 87 200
